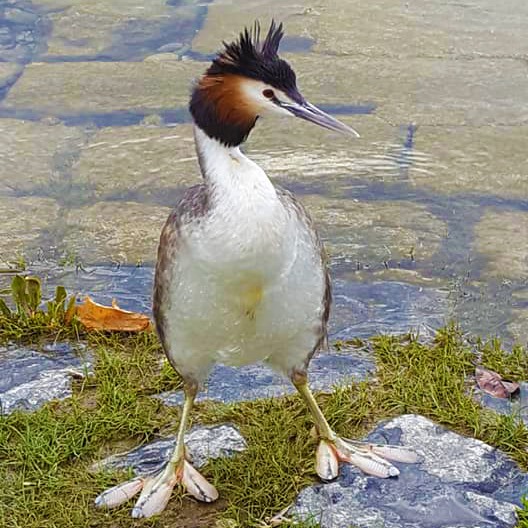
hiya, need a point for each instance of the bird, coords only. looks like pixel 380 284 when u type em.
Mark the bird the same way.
pixel 241 273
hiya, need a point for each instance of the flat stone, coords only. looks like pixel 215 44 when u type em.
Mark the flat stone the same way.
pixel 203 443
pixel 146 162
pixel 459 482
pixel 24 223
pixel 425 91
pixel 500 237
pixel 252 382
pixel 35 155
pixel 21 32
pixel 120 232
pixel 118 30
pixel 370 233
pixel 399 56
pixel 225 21
pixel 87 29
pixel 56 5
pixel 63 88
pixel 488 161
pixel 8 72
pixel 31 378
pixel 475 28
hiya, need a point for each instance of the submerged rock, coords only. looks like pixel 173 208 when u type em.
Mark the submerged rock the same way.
pixel 34 157
pixel 388 29
pixel 458 482
pixel 22 31
pixel 122 30
pixel 486 161
pixel 500 237
pixel 8 73
pixel 31 378
pixel 121 232
pixel 144 162
pixel 426 91
pixel 317 158
pixel 202 443
pixel 364 309
pixel 72 88
pixel 373 232
pixel 23 224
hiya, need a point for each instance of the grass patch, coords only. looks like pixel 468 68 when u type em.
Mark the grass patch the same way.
pixel 46 455
pixel 511 366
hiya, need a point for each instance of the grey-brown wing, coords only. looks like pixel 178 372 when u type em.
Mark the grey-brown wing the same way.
pixel 291 203
pixel 193 206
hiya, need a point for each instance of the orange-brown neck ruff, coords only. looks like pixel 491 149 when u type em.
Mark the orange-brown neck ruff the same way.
pixel 219 108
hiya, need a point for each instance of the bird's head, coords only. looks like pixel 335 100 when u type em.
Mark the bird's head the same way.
pixel 247 80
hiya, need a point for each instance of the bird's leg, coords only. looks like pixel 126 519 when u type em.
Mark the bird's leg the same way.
pixel 156 490
pixel 370 458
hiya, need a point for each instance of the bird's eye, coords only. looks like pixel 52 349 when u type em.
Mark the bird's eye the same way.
pixel 268 93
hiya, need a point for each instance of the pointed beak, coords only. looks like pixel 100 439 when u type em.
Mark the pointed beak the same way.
pixel 309 112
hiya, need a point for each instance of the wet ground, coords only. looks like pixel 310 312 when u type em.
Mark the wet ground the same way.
pixel 425 216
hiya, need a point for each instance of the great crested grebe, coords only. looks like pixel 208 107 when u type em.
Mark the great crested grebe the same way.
pixel 241 274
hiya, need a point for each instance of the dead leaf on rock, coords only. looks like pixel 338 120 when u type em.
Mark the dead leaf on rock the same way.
pixel 95 316
pixel 492 383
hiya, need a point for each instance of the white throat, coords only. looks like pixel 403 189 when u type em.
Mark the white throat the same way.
pixel 228 172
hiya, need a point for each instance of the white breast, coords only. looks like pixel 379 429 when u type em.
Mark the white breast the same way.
pixel 249 277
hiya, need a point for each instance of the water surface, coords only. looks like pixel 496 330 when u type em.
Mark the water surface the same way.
pixel 425 217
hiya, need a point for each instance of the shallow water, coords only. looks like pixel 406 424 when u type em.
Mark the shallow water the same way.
pixel 425 217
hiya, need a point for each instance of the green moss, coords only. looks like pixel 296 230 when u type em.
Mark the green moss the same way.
pixel 48 453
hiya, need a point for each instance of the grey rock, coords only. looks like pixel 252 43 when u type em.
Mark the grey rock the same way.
pixel 458 482
pixel 234 384
pixel 202 443
pixel 31 378
pixel 516 405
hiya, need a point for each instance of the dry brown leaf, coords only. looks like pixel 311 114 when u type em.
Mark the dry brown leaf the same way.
pixel 95 316
pixel 492 383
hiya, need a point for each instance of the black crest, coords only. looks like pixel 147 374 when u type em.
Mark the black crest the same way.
pixel 251 57
pixel 247 56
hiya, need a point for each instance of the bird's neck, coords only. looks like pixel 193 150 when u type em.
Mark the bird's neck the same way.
pixel 228 172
